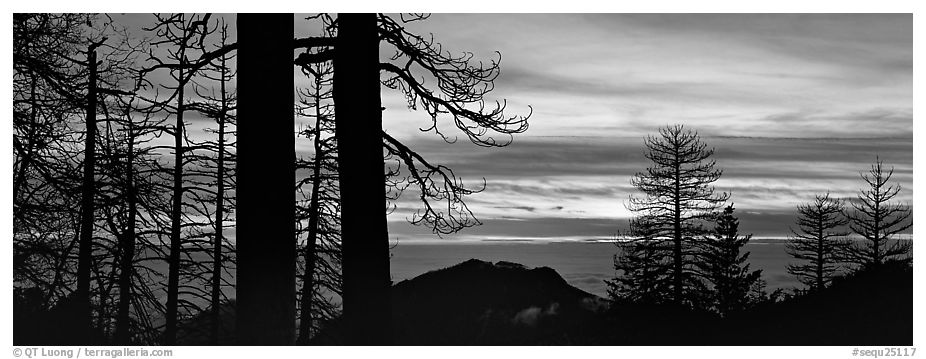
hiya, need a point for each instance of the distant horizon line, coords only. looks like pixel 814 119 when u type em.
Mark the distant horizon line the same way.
pixel 584 240
pixel 830 138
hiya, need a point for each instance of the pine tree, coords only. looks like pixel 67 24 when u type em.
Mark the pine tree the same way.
pixel 817 241
pixel 642 266
pixel 878 221
pixel 725 267
pixel 678 197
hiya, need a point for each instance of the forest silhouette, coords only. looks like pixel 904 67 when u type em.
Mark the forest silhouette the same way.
pixel 130 230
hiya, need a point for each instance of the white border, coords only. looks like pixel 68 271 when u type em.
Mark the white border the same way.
pixel 571 6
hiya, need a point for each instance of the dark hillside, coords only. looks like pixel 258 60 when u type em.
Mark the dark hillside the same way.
pixel 477 302
pixel 870 307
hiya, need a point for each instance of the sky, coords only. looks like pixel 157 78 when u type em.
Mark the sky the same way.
pixel 794 105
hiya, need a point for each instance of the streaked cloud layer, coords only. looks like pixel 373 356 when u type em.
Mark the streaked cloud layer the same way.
pixel 794 104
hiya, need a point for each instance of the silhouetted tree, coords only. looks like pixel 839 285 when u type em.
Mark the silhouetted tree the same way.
pixel 817 241
pixel 725 267
pixel 58 139
pixel 47 85
pixel 266 269
pixel 223 119
pixel 127 241
pixel 318 210
pixel 187 56
pixel 678 197
pixel 642 264
pixel 88 186
pixel 52 89
pixel 461 85
pixel 878 221
pixel 182 37
pixel 128 190
pixel 119 189
pixel 215 176
pixel 122 153
pixel 72 119
pixel 358 133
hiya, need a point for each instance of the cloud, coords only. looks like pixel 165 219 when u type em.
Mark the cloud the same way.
pixel 795 105
pixel 875 122
pixel 577 186
pixel 531 315
pixel 522 208
pixel 615 73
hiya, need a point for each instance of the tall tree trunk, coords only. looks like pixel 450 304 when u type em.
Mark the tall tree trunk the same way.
pixel 677 240
pixel 875 254
pixel 127 246
pixel 173 274
pixel 358 130
pixel 85 246
pixel 820 258
pixel 219 213
pixel 308 283
pixel 266 205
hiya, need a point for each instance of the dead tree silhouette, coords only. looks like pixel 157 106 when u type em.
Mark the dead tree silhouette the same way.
pixel 878 220
pixel 817 241
pixel 214 175
pixel 47 88
pixel 87 218
pixel 318 211
pixel 181 35
pixel 71 168
pixel 678 197
pixel 357 85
